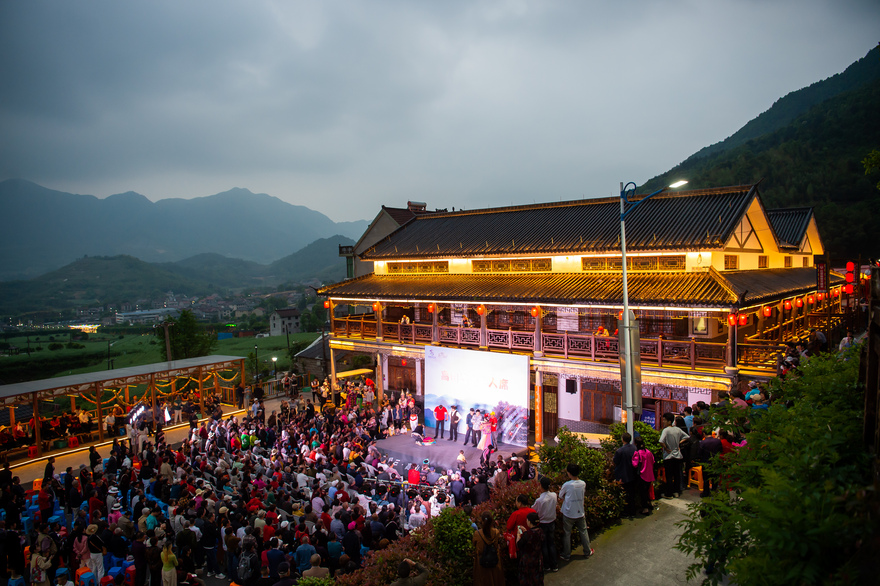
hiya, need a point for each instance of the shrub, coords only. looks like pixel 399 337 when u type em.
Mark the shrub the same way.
pixel 571 449
pixel 55 346
pixel 648 433
pixel 311 581
pixel 453 537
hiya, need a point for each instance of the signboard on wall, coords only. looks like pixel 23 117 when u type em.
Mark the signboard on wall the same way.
pixel 648 416
pixel 491 382
pixel 695 395
pixel 567 319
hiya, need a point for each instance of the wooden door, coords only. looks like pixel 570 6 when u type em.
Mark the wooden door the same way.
pixel 551 412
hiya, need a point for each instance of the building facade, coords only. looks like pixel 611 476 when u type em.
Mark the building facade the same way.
pixel 717 282
pixel 284 321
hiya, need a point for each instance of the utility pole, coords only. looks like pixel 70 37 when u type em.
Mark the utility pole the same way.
pixel 108 354
pixel 165 326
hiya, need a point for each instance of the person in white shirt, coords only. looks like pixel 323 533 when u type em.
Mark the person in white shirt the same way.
pixel 571 497
pixel 545 505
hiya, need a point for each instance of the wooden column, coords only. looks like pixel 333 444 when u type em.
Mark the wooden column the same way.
pixel 380 382
pixel 435 325
pixel 99 390
pixel 484 330
pixel 217 386
pixel 539 406
pixel 241 371
pixel 201 393
pixel 378 313
pixel 72 405
pixel 538 349
pixel 12 414
pixel 153 390
pixel 731 346
pixel 36 407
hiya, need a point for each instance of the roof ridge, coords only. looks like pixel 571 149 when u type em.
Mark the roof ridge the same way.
pixel 722 280
pixel 591 201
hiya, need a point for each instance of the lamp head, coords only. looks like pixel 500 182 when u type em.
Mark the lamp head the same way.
pixel 678 184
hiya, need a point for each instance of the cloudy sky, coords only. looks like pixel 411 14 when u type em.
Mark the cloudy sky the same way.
pixel 344 106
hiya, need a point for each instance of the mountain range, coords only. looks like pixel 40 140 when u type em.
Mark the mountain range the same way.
pixel 807 150
pixel 47 229
pixel 112 280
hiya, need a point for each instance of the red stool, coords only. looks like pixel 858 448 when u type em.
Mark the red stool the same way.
pixel 73 442
pixel 32 452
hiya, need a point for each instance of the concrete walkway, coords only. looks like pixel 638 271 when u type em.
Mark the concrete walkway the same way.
pixel 638 551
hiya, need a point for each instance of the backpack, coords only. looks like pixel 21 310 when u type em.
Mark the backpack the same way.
pixel 246 567
pixel 489 557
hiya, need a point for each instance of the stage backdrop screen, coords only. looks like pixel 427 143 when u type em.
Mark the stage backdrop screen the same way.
pixel 483 380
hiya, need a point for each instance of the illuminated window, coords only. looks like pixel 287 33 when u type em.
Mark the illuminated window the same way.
pixel 731 262
pixel 763 262
pixel 806 261
pixel 788 262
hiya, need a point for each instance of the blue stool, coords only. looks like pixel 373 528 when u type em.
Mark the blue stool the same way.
pixel 114 572
pixel 116 562
pixel 87 579
pixel 17 581
pixel 55 519
pixel 28 524
pixel 105 462
pixel 126 564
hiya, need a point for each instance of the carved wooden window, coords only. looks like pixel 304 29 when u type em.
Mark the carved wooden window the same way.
pixel 763 261
pixel 731 262
pixel 788 262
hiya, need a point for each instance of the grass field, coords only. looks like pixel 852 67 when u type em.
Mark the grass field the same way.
pixel 136 350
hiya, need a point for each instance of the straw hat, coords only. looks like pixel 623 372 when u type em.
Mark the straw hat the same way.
pixel 91 529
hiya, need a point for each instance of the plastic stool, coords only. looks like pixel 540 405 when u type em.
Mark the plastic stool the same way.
pixel 73 442
pixel 695 477
pixel 86 579
pixel 54 519
pixel 38 483
pixel 661 475
pixel 33 452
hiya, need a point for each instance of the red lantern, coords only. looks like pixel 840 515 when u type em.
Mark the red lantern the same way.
pixel 799 302
pixel 821 296
pixel 849 288
pixel 743 319
pixel 620 315
pixel 403 362
pixel 536 311
pixel 768 311
pixel 376 306
pixel 788 305
pixel 430 308
pixel 731 319
pixel 811 300
pixel 835 293
pixel 481 309
pixel 326 304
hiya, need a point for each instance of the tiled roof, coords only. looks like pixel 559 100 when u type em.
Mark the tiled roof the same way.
pixel 290 312
pixel 790 224
pixel 703 289
pixel 768 284
pixel 692 220
pixel 399 215
pixel 603 288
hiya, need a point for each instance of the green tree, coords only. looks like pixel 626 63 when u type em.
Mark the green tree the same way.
pixel 872 163
pixel 188 338
pixel 805 509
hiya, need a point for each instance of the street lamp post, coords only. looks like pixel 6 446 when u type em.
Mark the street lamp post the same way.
pixel 275 367
pixel 628 371
pixel 257 363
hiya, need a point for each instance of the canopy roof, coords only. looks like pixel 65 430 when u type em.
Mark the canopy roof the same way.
pixel 702 289
pixel 132 375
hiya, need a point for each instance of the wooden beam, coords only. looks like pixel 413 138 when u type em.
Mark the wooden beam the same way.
pixel 99 390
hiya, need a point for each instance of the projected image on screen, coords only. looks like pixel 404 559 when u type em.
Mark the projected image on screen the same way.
pixel 482 380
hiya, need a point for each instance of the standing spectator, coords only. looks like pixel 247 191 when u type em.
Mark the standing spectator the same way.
pixel 454 418
pixel 529 545
pixel 643 460
pixel 487 536
pixel 469 425
pixel 670 440
pixel 476 422
pixel 625 472
pixel 545 505
pixel 571 496
pixel 440 417
pixel 517 519
pixel 97 549
pixel 169 566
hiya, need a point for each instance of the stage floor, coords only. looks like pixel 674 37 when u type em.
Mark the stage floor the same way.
pixel 442 453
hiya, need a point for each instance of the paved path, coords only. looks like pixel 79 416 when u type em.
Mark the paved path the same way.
pixel 638 551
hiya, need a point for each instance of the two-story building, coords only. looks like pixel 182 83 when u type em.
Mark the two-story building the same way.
pixel 717 281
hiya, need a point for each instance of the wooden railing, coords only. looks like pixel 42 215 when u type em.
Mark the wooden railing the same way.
pixel 686 353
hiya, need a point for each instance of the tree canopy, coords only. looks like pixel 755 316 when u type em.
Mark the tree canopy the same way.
pixel 188 338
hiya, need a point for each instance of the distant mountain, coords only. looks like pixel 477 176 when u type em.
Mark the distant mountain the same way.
pixel 103 280
pixel 91 281
pixel 807 150
pixel 319 260
pixel 46 229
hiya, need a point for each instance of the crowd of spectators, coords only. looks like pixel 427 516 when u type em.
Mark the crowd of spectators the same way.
pixel 255 499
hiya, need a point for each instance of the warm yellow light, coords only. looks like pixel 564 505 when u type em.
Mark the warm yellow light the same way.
pixel 678 184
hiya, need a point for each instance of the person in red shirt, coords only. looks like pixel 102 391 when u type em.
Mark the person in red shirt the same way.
pixel 413 476
pixel 440 416
pixel 518 518
pixel 493 422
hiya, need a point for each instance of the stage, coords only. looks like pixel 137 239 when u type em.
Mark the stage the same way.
pixel 440 454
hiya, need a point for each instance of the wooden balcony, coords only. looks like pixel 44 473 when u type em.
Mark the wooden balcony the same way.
pixel 691 353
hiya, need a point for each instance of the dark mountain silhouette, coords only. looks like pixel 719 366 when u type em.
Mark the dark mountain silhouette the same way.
pixel 47 229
